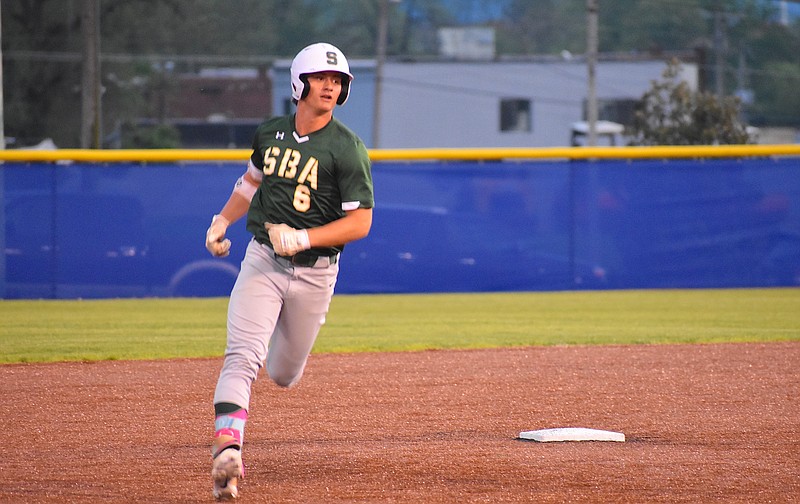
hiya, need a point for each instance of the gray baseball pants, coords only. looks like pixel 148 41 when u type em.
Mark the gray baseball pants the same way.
pixel 275 312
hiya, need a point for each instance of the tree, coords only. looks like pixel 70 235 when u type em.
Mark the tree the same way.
pixel 651 25
pixel 778 99
pixel 670 113
pixel 145 43
pixel 39 97
pixel 773 73
pixel 546 26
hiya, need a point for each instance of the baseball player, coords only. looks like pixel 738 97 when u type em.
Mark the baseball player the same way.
pixel 307 192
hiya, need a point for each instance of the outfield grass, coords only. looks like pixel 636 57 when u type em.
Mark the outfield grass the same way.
pixel 66 330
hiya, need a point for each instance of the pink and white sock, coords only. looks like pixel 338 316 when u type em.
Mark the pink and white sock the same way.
pixel 231 424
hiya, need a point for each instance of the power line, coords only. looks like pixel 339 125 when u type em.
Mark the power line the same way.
pixel 76 57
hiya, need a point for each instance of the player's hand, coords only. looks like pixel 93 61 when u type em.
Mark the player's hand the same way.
pixel 287 241
pixel 216 243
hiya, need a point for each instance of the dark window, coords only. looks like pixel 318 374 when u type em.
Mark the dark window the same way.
pixel 616 110
pixel 515 114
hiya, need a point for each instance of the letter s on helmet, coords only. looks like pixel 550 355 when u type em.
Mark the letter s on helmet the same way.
pixel 315 58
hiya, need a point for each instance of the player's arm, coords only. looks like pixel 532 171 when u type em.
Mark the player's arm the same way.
pixel 353 226
pixel 288 241
pixel 234 209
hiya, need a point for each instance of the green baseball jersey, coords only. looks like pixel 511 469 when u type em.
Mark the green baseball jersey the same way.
pixel 308 181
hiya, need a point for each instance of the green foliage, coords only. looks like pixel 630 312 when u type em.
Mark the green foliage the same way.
pixel 40 97
pixel 670 113
pixel 42 38
pixel 41 331
pixel 651 25
pixel 542 27
pixel 763 58
pixel 151 137
pixel 778 97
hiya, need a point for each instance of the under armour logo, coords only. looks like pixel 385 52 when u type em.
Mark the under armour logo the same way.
pixel 279 135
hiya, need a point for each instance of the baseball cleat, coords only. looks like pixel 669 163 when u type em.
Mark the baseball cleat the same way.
pixel 227 468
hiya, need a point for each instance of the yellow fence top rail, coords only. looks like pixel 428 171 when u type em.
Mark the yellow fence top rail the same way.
pixel 476 154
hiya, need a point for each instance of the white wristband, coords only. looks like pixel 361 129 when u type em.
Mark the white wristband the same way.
pixel 302 239
pixel 295 241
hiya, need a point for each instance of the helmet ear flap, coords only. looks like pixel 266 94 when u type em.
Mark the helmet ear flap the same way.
pixel 345 91
pixel 304 80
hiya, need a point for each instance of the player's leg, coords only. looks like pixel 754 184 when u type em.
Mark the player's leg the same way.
pixel 226 454
pixel 253 310
pixel 305 306
pixel 252 313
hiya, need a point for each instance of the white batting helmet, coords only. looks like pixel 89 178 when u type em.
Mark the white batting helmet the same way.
pixel 315 58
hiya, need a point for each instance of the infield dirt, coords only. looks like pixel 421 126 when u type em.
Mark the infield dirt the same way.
pixel 704 423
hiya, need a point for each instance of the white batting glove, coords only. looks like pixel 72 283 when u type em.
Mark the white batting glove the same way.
pixel 287 241
pixel 216 243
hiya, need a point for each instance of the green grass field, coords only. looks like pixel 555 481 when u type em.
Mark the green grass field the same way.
pixel 47 331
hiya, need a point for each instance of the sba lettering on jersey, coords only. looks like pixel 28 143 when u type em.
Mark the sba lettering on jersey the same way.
pixel 289 164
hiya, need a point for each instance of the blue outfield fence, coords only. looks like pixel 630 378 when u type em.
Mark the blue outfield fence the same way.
pixel 127 229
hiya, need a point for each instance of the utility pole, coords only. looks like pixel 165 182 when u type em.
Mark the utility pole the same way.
pixel 591 64
pixel 91 116
pixel 2 182
pixel 380 57
pixel 2 123
pixel 591 113
pixel 719 49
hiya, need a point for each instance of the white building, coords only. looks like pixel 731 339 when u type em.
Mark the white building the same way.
pixel 484 103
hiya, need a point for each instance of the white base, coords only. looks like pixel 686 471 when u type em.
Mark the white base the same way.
pixel 572 434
